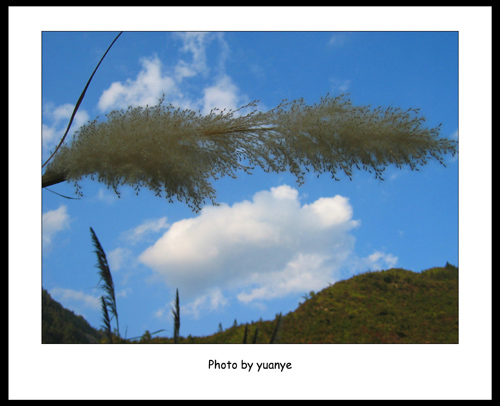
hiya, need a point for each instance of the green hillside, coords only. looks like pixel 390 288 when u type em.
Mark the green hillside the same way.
pixel 393 306
pixel 62 326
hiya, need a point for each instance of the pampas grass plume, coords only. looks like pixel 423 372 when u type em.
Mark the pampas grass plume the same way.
pixel 177 153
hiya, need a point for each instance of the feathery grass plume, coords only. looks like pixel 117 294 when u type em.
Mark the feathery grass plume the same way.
pixel 177 317
pixel 108 286
pixel 177 153
pixel 277 328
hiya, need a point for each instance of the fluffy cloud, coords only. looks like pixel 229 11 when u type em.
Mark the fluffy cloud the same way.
pixel 305 272
pixel 155 79
pixel 211 300
pixel 380 260
pixel 144 229
pixel 54 221
pixel 55 122
pixel 73 299
pixel 195 44
pixel 266 248
pixel 149 86
pixel 223 94
pixel 118 257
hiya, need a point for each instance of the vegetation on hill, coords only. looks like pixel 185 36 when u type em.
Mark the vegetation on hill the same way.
pixel 393 306
pixel 62 326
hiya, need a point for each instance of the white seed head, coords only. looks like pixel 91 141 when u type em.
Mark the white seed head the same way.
pixel 177 153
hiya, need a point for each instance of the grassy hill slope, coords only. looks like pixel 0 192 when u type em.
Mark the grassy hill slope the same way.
pixel 393 306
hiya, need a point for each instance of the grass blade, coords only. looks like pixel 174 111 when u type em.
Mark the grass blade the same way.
pixel 106 320
pixel 177 318
pixel 105 273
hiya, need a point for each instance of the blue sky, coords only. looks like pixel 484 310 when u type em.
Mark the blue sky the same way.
pixel 411 220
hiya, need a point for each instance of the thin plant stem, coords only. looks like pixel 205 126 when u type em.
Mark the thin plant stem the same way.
pixel 80 99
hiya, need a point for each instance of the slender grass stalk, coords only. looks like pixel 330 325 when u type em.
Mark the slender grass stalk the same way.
pixel 109 300
pixel 177 317
pixel 80 99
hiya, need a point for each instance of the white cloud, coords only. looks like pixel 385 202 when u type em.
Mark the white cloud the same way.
pixel 54 221
pixel 147 88
pixel 377 261
pixel 194 43
pixel 224 94
pixel 305 272
pixel 118 257
pixel 269 247
pixel 56 120
pixel 213 299
pixel 147 227
pixel 328 213
pixel 155 79
pixel 70 298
